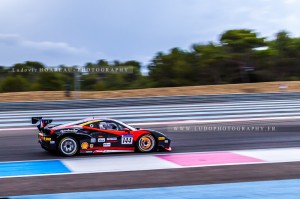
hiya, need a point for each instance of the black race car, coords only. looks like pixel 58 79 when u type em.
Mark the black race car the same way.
pixel 94 135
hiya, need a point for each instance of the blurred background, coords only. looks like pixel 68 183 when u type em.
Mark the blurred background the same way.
pixel 199 71
pixel 178 43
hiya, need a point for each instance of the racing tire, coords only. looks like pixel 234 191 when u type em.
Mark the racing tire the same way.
pixel 68 146
pixel 146 143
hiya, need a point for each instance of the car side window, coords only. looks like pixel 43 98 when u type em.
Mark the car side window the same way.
pixel 92 125
pixel 112 126
pixel 121 127
pixel 103 125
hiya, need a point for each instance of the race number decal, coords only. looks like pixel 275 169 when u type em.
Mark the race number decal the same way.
pixel 127 139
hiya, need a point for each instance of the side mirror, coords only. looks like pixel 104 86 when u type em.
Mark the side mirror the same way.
pixel 138 128
pixel 127 130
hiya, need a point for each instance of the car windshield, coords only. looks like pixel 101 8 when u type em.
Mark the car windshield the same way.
pixel 126 126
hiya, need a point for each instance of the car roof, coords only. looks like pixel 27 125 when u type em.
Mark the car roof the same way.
pixel 82 121
pixel 89 120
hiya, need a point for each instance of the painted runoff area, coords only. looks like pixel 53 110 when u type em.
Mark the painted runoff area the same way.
pixel 98 163
pixel 277 189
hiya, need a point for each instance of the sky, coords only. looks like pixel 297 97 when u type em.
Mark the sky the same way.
pixel 74 32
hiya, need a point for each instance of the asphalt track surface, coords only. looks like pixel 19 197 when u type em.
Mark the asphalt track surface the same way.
pixel 21 145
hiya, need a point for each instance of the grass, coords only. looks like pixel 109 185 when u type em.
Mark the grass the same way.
pixel 264 87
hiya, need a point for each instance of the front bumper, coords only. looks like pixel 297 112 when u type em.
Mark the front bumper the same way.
pixel 164 143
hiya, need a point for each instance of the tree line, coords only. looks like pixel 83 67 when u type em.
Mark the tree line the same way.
pixel 239 56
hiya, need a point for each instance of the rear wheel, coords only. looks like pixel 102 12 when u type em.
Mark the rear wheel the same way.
pixel 146 143
pixel 68 146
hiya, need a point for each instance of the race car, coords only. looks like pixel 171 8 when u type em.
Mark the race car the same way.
pixel 95 135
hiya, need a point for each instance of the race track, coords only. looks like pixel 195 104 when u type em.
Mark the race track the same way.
pixel 20 145
pixel 192 128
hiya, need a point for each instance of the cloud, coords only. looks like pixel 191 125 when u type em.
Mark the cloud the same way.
pixel 9 39
pixel 59 47
pixel 64 32
pixel 290 1
pixel 16 49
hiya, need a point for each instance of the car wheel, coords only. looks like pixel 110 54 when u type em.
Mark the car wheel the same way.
pixel 68 146
pixel 146 143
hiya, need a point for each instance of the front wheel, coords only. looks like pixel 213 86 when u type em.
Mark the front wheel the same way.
pixel 146 143
pixel 68 146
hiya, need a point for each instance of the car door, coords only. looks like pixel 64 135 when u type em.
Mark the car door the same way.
pixel 115 136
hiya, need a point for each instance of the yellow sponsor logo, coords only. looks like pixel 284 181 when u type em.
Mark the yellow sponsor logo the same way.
pixel 47 139
pixel 89 122
pixel 84 145
pixel 161 138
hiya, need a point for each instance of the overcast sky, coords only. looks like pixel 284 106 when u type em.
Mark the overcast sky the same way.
pixel 74 32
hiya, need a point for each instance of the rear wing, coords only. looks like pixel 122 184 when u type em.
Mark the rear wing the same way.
pixel 41 123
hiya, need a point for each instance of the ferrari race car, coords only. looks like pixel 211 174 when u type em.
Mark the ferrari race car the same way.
pixel 94 135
